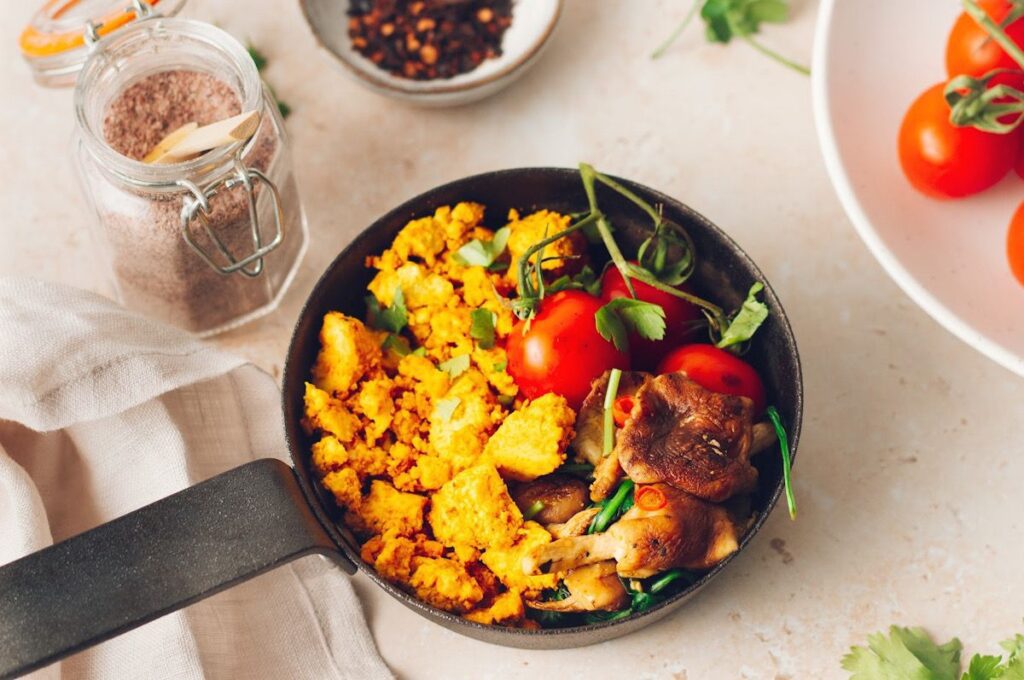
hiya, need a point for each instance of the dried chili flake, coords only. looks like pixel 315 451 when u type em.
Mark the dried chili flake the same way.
pixel 428 39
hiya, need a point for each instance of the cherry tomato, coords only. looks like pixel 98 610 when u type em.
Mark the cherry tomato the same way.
pixel 944 161
pixel 679 317
pixel 717 370
pixel 1019 167
pixel 560 350
pixel 1015 244
pixel 970 51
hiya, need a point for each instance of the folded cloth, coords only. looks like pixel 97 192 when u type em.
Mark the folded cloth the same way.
pixel 102 412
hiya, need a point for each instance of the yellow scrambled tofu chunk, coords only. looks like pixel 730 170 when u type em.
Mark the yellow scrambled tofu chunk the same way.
pixel 386 508
pixel 348 351
pixel 462 421
pixel 507 608
pixel 445 584
pixel 507 562
pixel 531 441
pixel 535 227
pixel 344 485
pixel 475 509
pixel 325 413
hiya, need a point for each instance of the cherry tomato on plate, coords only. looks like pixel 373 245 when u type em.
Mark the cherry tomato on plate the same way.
pixel 970 51
pixel 560 349
pixel 1015 244
pixel 679 317
pixel 945 161
pixel 717 370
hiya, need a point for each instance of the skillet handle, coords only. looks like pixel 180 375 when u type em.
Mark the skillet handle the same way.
pixel 154 561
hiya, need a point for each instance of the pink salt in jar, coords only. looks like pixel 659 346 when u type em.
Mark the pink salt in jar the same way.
pixel 205 244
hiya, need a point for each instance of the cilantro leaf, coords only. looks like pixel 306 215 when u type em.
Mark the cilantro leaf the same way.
pixel 500 366
pixel 984 668
pixel 482 328
pixel 906 654
pixel 455 366
pixel 483 253
pixel 747 320
pixel 394 318
pixel 258 57
pixel 445 408
pixel 619 316
pixel 397 343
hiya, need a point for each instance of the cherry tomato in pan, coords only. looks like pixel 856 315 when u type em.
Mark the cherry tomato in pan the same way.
pixel 680 316
pixel 1015 244
pixel 560 349
pixel 945 161
pixel 717 370
pixel 970 51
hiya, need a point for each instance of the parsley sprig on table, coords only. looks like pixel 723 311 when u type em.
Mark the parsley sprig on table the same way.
pixel 728 19
pixel 911 654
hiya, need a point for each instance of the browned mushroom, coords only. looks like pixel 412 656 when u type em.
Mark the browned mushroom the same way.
pixel 685 533
pixel 560 497
pixel 576 525
pixel 594 587
pixel 692 438
pixel 589 439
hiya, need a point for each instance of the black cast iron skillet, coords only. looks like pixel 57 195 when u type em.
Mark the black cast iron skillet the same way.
pixel 256 517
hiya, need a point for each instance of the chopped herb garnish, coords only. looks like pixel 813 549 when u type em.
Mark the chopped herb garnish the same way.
pixel 483 253
pixel 500 366
pixel 392 319
pixel 746 321
pixel 609 403
pixel 445 408
pixel 533 510
pixel 398 344
pixel 612 508
pixel 455 366
pixel 619 316
pixel 482 328
pixel 787 464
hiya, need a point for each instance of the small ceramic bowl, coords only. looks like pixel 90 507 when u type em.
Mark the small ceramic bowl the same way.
pixel 533 22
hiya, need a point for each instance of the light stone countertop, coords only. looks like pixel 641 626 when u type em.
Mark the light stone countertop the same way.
pixel 910 467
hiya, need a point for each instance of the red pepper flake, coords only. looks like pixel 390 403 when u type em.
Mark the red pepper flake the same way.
pixel 424 40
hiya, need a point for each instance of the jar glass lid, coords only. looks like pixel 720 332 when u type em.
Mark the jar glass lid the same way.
pixel 62 34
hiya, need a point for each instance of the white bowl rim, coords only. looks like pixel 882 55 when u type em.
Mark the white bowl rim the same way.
pixel 427 89
pixel 851 204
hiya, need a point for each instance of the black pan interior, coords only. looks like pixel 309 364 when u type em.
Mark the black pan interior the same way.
pixel 724 275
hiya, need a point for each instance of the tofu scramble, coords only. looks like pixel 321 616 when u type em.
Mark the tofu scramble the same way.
pixel 421 430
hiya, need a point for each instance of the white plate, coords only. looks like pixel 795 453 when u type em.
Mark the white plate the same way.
pixel 871 59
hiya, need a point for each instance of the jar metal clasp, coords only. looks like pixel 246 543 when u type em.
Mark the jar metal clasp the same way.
pixel 142 10
pixel 196 213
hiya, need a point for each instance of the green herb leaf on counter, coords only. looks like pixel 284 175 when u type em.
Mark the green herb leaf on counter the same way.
pixel 984 667
pixel 455 366
pixel 260 60
pixel 728 19
pixel 479 253
pixel 616 318
pixel 445 408
pixel 392 319
pixel 906 653
pixel 258 57
pixel 482 327
pixel 747 320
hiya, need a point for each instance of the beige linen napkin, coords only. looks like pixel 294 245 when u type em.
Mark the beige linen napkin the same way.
pixel 102 412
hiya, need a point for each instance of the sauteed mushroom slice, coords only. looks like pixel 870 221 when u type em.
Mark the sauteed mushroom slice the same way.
pixel 560 497
pixel 685 532
pixel 594 587
pixel 692 438
pixel 589 440
pixel 576 526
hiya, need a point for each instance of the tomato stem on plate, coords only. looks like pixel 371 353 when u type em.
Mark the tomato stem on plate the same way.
pixel 994 30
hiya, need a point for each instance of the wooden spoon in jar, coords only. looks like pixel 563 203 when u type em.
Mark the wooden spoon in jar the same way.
pixel 184 144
